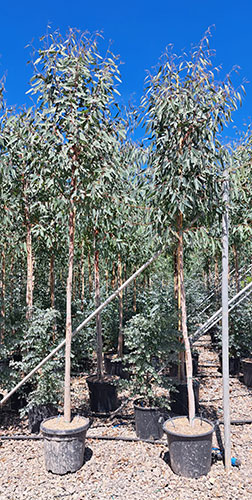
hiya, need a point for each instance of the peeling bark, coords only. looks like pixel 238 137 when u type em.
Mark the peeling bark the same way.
pixel 188 355
pixel 120 335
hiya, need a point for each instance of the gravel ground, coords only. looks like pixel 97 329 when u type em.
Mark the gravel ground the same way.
pixel 132 470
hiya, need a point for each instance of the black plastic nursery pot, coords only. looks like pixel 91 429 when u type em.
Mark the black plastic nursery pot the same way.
pixel 247 371
pixel 38 413
pixel 190 455
pixel 64 448
pixel 115 367
pixel 19 399
pixel 102 393
pixel 173 369
pixel 179 398
pixel 148 421
pixel 234 365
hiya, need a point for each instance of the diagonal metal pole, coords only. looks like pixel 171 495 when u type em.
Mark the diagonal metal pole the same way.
pixel 215 318
pixel 225 334
pixel 84 323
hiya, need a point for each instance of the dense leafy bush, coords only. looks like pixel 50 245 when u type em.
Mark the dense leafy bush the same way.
pixel 151 338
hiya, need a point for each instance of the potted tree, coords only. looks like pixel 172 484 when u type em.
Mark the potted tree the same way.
pixel 150 340
pixel 74 87
pixel 184 119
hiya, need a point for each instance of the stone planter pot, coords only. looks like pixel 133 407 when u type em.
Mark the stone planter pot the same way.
pixel 148 421
pixel 190 455
pixel 64 446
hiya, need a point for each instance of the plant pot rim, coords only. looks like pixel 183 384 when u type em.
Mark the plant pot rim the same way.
pixel 187 436
pixel 106 379
pixel 178 382
pixel 144 408
pixel 64 432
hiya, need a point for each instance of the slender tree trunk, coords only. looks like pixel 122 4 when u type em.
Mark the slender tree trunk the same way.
pixel 30 280
pixel 188 355
pixel 204 275
pixel 237 277
pixel 177 284
pixel 29 259
pixel 67 393
pixel 120 336
pixel 82 277
pixel 125 292
pixel 100 371
pixel 134 295
pixel 90 281
pixel 12 286
pixel 52 291
pixel 3 290
pixel 175 272
pixel 107 276
pixel 216 274
pixel 52 281
pixel 113 276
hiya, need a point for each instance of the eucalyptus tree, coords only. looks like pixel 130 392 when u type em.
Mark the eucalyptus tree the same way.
pixel 20 156
pixel 241 202
pixel 186 107
pixel 76 96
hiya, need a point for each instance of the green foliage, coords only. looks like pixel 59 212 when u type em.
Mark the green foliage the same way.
pixel 152 341
pixel 240 331
pixel 185 109
pixel 35 344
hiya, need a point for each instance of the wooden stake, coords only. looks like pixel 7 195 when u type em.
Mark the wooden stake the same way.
pixel 80 327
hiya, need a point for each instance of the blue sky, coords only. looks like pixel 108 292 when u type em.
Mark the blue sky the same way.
pixel 140 31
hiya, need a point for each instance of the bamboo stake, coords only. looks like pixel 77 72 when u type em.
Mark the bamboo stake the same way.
pixel 120 335
pixel 84 323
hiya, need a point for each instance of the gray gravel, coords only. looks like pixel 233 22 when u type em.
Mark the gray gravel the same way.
pixel 124 470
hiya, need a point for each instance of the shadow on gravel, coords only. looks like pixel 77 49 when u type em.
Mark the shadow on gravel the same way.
pixel 87 455
pixel 210 413
pixel 166 457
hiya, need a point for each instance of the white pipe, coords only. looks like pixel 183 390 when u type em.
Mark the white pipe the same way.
pixel 84 323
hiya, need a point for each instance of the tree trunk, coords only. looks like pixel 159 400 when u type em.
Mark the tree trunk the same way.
pixel 67 393
pixel 29 283
pixel 134 295
pixel 188 355
pixel 216 274
pixel 29 260
pixel 175 271
pixel 90 281
pixel 177 284
pixel 125 292
pixel 120 336
pixel 82 277
pixel 107 276
pixel 3 289
pixel 52 281
pixel 100 371
pixel 113 276
pixel 52 291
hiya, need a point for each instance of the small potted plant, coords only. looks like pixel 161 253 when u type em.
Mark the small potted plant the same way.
pixel 150 344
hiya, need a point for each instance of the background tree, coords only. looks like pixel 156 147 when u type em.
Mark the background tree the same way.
pixel 186 107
